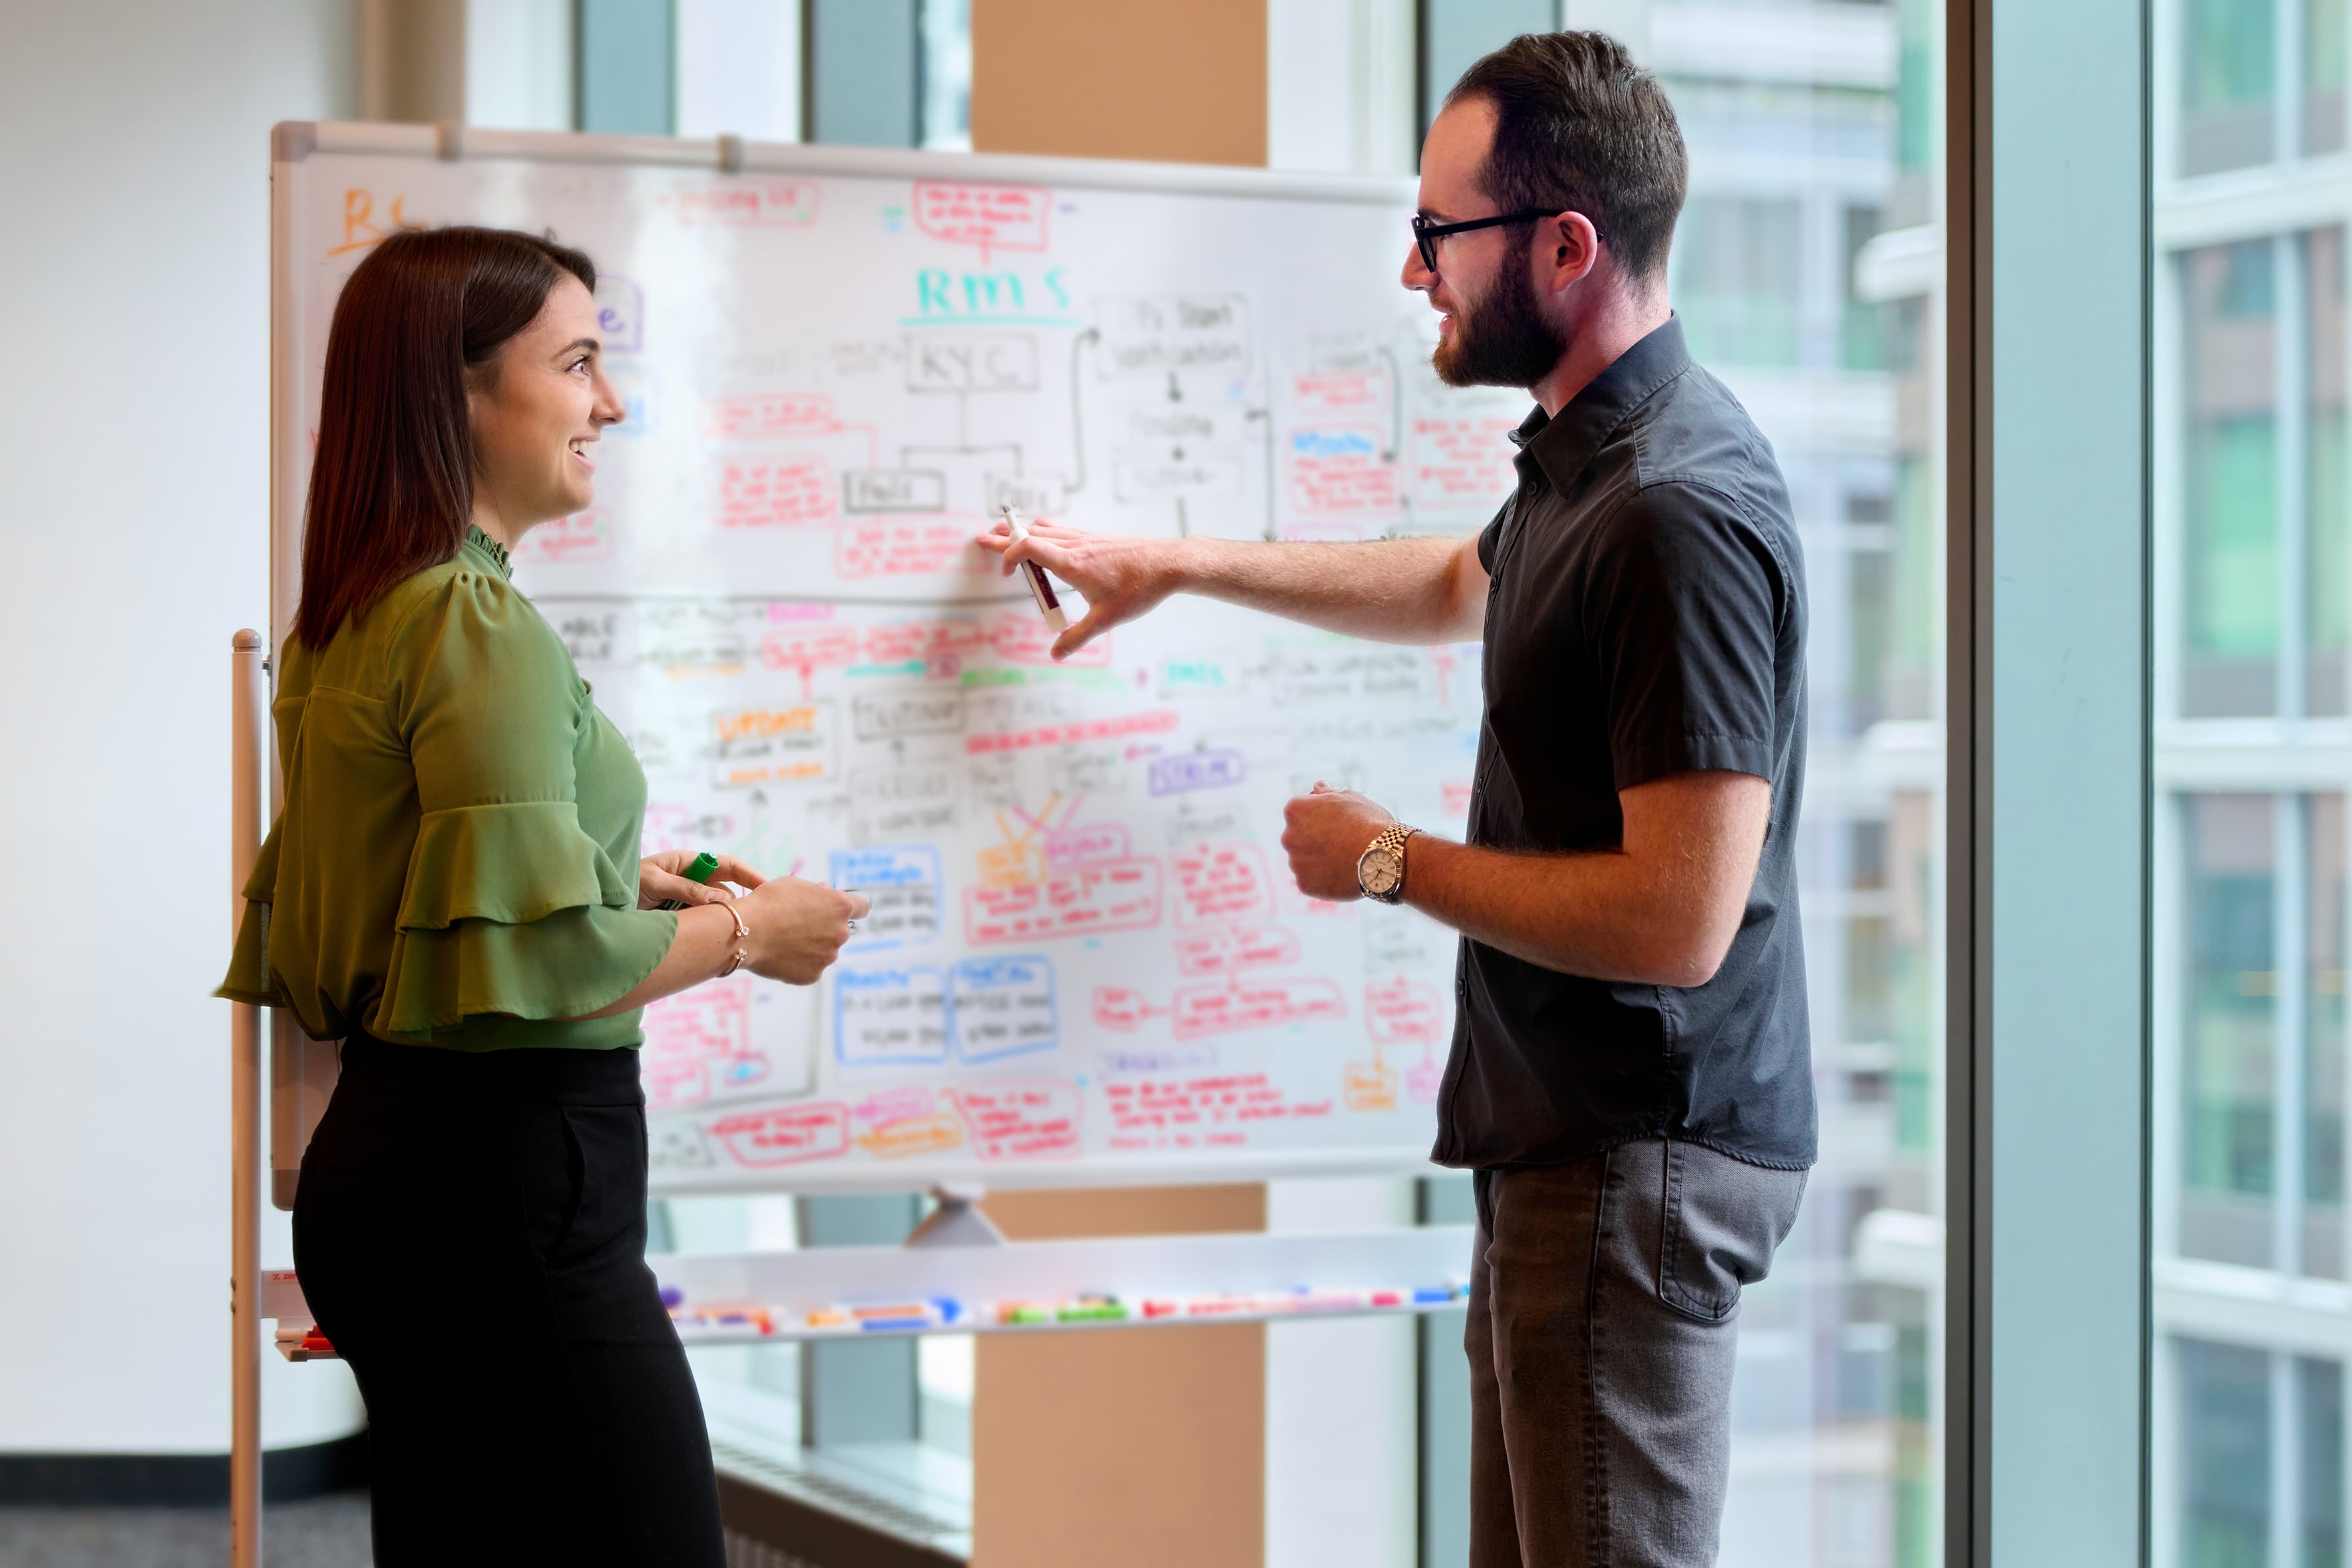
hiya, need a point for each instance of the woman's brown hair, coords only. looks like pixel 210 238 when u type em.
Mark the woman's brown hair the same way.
pixel 392 482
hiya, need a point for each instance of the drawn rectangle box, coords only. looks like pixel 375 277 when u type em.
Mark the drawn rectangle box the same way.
pixel 901 883
pixel 870 490
pixel 894 1017
pixel 896 715
pixel 1169 473
pixel 1001 1006
pixel 1181 772
pixel 1160 334
pixel 969 361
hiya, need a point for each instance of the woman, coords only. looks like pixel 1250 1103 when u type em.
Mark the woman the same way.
pixel 446 892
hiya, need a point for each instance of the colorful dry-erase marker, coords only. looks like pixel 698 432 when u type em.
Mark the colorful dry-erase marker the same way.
pixel 1041 588
pixel 698 870
pixel 1092 1310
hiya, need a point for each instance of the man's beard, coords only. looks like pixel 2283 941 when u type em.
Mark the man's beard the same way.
pixel 1504 340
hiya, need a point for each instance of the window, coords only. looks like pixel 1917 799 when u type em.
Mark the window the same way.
pixel 2252 755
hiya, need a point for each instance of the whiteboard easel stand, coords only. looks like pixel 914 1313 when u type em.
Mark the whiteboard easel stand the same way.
pixel 246 659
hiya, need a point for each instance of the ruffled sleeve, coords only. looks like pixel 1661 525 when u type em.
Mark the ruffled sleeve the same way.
pixel 508 907
pixel 250 978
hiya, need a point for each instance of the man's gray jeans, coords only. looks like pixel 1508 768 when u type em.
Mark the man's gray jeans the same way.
pixel 1604 1301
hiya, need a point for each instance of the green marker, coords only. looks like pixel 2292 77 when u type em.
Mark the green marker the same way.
pixel 1092 1310
pixel 704 865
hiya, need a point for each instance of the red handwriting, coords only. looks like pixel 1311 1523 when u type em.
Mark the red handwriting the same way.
pixel 1340 470
pixel 762 415
pixel 1239 1005
pixel 1201 1112
pixel 1116 1007
pixel 789 1134
pixel 1121 896
pixel 807 647
pixel 1399 1012
pixel 1219 882
pixel 583 536
pixel 1087 845
pixel 765 202
pixel 1358 392
pixel 1235 947
pixel 1021 1119
pixel 1021 637
pixel 1462 462
pixel 896 549
pixel 699 1043
pixel 994 217
pixel 905 641
pixel 1158 722
pixel 772 493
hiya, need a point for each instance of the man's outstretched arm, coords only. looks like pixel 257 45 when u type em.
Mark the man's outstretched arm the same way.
pixel 1661 910
pixel 1391 590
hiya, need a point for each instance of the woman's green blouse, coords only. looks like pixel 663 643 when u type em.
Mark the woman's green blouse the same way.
pixel 456 861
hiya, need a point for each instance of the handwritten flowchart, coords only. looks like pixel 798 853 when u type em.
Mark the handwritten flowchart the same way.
pixel 1083 947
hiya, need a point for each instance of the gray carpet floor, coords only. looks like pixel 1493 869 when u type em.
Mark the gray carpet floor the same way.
pixel 319 1533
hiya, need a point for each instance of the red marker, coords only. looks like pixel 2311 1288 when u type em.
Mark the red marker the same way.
pixel 1040 588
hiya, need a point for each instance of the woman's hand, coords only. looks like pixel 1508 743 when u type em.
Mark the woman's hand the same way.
pixel 1120 577
pixel 797 927
pixel 659 879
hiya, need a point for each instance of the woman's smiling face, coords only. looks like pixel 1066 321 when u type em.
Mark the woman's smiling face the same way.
pixel 537 416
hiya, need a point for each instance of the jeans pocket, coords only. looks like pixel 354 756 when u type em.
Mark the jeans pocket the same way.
pixel 1723 1220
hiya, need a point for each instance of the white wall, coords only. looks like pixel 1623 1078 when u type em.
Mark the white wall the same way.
pixel 1342 1405
pixel 1339 88
pixel 134 224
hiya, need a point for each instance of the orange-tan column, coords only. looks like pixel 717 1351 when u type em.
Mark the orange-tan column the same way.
pixel 1142 1447
pixel 1178 80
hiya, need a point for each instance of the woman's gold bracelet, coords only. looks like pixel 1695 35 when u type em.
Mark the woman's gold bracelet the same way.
pixel 742 934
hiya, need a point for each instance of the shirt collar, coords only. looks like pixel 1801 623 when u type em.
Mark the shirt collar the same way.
pixel 477 539
pixel 1562 445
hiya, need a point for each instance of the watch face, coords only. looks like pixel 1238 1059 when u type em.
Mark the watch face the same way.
pixel 1380 872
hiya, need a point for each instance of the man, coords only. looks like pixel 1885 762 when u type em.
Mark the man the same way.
pixel 1630 1078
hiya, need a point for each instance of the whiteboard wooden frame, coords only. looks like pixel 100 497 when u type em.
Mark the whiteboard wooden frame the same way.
pixel 294 143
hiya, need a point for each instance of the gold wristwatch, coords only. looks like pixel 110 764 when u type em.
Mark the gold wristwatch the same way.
pixel 1380 871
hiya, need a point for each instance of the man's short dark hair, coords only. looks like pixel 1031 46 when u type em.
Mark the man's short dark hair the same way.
pixel 1579 126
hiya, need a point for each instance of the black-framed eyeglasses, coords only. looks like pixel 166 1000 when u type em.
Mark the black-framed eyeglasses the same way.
pixel 1426 233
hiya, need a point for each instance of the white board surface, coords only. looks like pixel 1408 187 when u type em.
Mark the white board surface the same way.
pixel 1086 962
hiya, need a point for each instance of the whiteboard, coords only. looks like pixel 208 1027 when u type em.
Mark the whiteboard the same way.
pixel 1086 962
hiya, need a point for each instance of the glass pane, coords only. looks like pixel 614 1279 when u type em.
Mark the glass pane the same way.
pixel 2226 1421
pixel 2230 1038
pixel 2226 85
pixel 2319 1423
pixel 2253 900
pixel 1738 277
pixel 2228 459
pixel 2324 63
pixel 2324 1151
pixel 945 64
pixel 2327 500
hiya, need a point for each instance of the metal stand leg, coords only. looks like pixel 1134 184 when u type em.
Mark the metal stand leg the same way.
pixel 245 1127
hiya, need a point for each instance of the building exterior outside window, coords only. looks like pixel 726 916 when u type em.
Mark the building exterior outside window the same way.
pixel 2253 759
